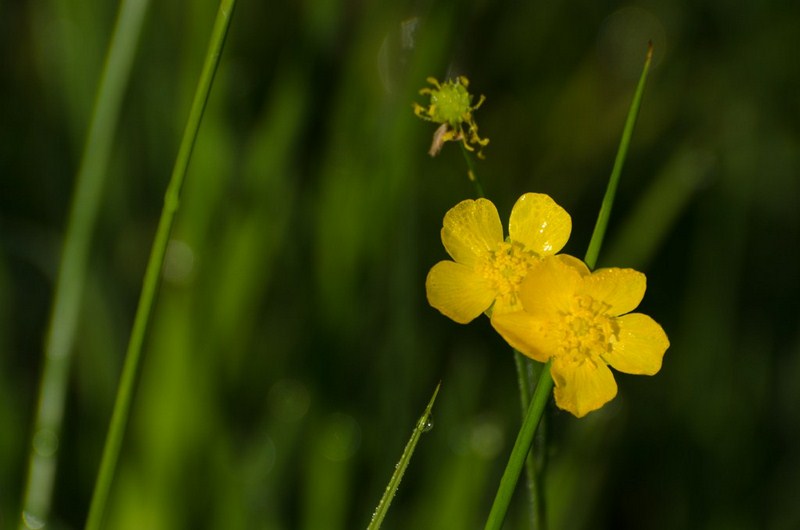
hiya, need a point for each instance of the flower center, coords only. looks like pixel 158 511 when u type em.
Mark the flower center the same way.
pixel 505 268
pixel 452 103
pixel 586 331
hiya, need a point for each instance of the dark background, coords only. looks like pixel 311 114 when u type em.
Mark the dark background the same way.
pixel 292 347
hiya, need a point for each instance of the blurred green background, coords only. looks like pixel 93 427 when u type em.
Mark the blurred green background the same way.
pixel 292 347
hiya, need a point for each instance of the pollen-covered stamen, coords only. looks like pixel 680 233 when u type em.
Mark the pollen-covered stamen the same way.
pixel 505 268
pixel 586 331
pixel 451 105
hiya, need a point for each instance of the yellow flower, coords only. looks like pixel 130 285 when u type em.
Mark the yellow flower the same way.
pixel 451 105
pixel 582 321
pixel 488 270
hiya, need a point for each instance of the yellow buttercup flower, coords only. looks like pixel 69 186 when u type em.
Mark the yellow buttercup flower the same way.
pixel 582 320
pixel 488 270
pixel 451 105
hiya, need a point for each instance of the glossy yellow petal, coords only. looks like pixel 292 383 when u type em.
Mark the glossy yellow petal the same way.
pixel 457 291
pixel 622 289
pixel 540 224
pixel 470 230
pixel 549 287
pixel 506 304
pixel 641 345
pixel 525 334
pixel 582 387
pixel 575 263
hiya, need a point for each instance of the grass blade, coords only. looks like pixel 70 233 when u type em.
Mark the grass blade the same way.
pixel 520 451
pixel 152 276
pixel 622 152
pixel 71 278
pixel 391 488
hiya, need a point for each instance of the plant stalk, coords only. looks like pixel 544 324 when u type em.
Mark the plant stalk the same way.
pixel 71 277
pixel 152 276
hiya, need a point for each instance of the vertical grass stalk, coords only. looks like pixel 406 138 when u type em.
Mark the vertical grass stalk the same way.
pixel 608 200
pixel 43 458
pixel 152 276
pixel 520 451
pixel 524 440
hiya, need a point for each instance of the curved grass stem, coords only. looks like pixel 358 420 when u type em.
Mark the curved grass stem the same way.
pixel 71 277
pixel 152 276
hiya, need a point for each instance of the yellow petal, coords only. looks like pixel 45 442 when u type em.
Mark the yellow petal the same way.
pixel 506 304
pixel 575 263
pixel 549 287
pixel 470 230
pixel 582 387
pixel 457 291
pixel 540 224
pixel 641 345
pixel 622 289
pixel 525 334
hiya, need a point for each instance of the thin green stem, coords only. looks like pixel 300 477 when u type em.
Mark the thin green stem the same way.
pixel 152 276
pixel 622 152
pixel 533 465
pixel 72 268
pixel 543 388
pixel 525 383
pixel 423 425
pixel 471 173
pixel 520 451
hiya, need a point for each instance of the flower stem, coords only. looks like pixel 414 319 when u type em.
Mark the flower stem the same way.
pixel 72 268
pixel 622 152
pixel 423 425
pixel 152 276
pixel 471 173
pixel 536 459
pixel 520 451
pixel 525 382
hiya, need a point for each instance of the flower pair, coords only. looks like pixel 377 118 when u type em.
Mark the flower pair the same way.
pixel 546 306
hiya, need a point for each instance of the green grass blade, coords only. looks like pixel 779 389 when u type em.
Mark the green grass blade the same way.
pixel 72 268
pixel 519 453
pixel 391 488
pixel 130 369
pixel 608 200
pixel 657 211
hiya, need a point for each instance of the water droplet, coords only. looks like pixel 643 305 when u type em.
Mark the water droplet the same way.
pixel 178 265
pixel 340 437
pixel 395 53
pixel 289 400
pixel 32 522
pixel 428 424
pixel 45 442
pixel 486 438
